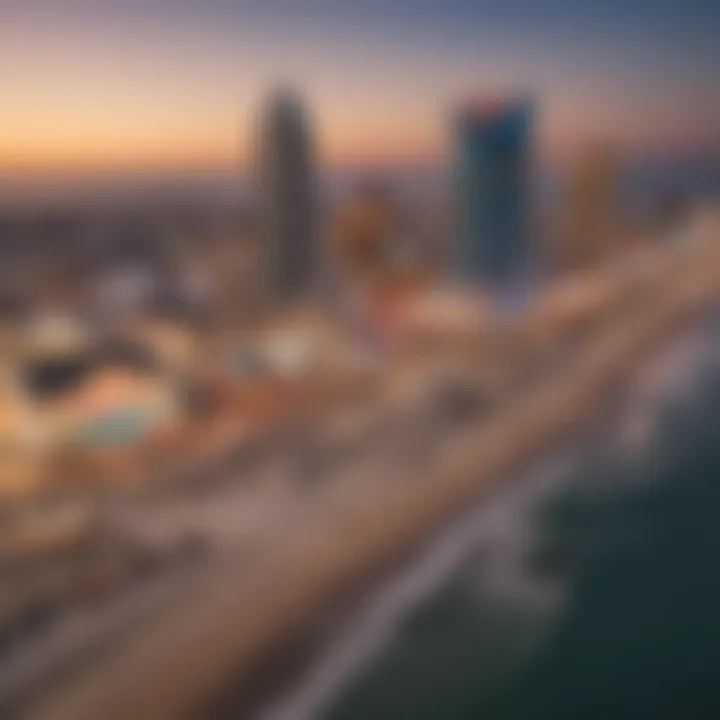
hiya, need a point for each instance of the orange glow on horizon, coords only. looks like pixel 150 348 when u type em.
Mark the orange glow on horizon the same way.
pixel 30 155
pixel 46 150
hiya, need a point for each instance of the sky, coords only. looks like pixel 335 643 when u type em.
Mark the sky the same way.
pixel 124 86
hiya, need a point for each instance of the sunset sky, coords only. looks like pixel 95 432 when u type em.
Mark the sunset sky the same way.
pixel 132 84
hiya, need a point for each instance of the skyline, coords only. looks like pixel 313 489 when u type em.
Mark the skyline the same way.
pixel 166 85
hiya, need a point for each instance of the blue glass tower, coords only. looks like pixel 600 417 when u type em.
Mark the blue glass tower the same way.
pixel 493 193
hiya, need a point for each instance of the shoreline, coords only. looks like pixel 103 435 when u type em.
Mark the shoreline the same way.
pixel 242 618
pixel 338 639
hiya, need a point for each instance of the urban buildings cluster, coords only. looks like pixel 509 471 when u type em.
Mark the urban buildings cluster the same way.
pixel 141 346
pixel 114 320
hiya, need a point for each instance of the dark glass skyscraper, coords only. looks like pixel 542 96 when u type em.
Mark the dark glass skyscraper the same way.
pixel 493 193
pixel 287 190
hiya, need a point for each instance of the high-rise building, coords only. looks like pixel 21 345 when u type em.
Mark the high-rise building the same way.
pixel 365 227
pixel 588 213
pixel 287 196
pixel 377 258
pixel 493 193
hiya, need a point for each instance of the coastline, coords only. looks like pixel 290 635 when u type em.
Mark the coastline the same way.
pixel 372 626
pixel 241 618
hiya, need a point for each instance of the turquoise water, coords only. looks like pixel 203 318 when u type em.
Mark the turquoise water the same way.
pixel 120 427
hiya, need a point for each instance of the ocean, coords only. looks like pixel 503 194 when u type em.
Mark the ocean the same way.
pixel 586 588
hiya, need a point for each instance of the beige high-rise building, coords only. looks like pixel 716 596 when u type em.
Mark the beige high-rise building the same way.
pixel 588 214
pixel 364 228
pixel 376 261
